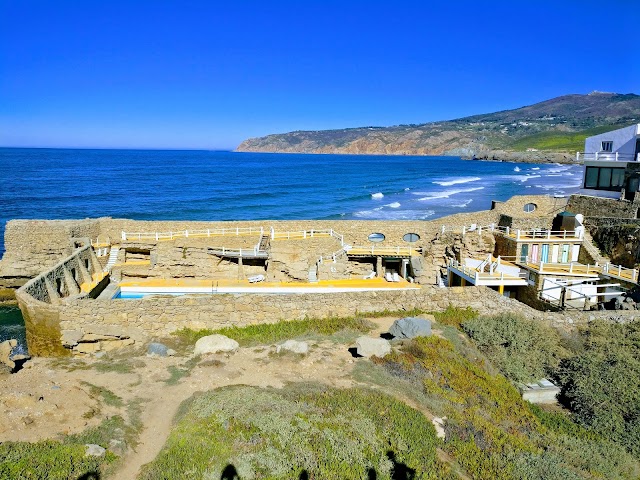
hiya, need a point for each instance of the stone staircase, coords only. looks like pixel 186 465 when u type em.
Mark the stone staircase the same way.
pixel 264 242
pixel 592 250
pixel 113 258
pixel 313 275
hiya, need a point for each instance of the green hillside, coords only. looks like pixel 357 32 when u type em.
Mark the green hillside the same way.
pixel 559 141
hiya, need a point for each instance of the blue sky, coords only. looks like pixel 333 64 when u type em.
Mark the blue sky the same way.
pixel 208 74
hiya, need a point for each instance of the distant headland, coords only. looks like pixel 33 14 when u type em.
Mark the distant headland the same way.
pixel 549 131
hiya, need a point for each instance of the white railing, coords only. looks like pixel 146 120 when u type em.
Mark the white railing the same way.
pixel 209 232
pixel 542 234
pixel 382 250
pixel 304 234
pixel 608 157
pixel 620 272
pixel 241 252
pixel 479 276
pixel 479 229
pixel 333 257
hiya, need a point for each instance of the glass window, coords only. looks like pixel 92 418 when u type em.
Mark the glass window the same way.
pixel 607 146
pixel 604 180
pixel 411 237
pixel 376 237
pixel 617 177
pixel 591 177
pixel 530 207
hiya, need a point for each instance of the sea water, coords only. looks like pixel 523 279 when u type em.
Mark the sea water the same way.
pixel 213 185
pixel 12 327
pixel 205 185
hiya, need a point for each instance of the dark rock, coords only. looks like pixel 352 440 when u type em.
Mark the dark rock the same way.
pixel 410 327
pixel 157 349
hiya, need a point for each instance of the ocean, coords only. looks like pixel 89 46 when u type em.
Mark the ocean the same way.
pixel 218 185
pixel 213 185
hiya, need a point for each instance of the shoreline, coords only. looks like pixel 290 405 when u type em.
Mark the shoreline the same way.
pixel 537 157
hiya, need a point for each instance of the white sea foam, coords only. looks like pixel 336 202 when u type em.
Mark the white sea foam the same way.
pixel 377 195
pixel 463 204
pixel 393 205
pixel 395 214
pixel 517 169
pixel 407 189
pixel 445 194
pixel 528 177
pixel 456 181
pixel 535 168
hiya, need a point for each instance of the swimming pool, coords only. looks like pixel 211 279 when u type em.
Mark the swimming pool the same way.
pixel 137 292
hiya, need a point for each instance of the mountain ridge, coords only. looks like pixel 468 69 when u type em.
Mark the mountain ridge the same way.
pixel 550 130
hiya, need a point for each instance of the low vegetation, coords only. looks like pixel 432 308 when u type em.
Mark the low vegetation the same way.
pixel 559 141
pixel 491 432
pixel 301 429
pixel 524 350
pixel 598 370
pixel 61 460
pixel 601 384
pixel 269 333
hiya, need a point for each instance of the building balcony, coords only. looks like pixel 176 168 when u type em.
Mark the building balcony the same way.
pixel 607 157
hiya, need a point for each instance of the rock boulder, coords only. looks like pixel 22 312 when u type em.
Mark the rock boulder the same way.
pixel 368 347
pixel 214 344
pixel 93 450
pixel 156 349
pixel 6 348
pixel 293 346
pixel 410 327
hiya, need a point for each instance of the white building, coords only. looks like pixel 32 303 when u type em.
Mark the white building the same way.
pixel 612 163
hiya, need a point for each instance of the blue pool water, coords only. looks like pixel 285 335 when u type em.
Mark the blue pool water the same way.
pixel 206 185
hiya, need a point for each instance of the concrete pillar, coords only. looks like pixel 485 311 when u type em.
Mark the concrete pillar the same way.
pixel 240 269
pixel 379 270
pixel 463 281
pixel 54 298
pixel 94 262
pixel 450 278
pixel 70 282
pixel 83 274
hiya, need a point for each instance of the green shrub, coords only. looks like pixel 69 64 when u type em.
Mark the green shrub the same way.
pixel 602 384
pixel 455 316
pixel 270 433
pixel 61 460
pixel 268 333
pixel 524 350
pixel 492 433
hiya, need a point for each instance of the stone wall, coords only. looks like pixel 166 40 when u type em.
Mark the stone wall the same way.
pixel 602 207
pixel 43 299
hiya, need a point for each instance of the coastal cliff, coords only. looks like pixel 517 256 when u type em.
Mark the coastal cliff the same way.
pixel 549 131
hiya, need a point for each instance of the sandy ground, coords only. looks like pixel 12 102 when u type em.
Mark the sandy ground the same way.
pixel 51 397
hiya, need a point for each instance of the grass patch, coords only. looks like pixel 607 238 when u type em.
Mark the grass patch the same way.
pixel 269 333
pixel 280 433
pixel 176 373
pixel 559 141
pixel 454 316
pixel 104 394
pixel 60 460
